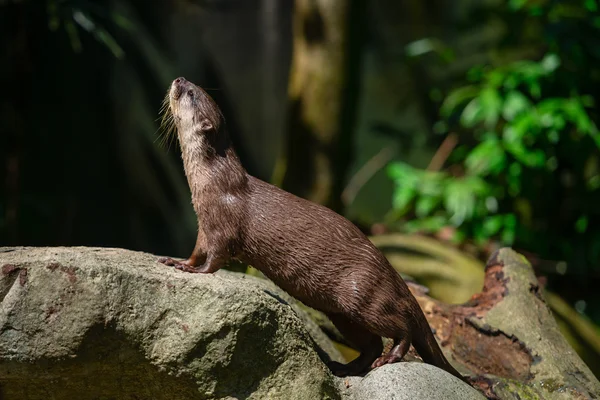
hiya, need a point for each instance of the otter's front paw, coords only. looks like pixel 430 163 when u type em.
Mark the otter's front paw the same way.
pixel 171 262
pixel 187 268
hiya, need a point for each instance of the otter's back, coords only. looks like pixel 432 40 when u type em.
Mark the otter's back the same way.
pixel 309 250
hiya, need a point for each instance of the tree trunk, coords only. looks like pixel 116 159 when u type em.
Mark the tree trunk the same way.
pixel 322 94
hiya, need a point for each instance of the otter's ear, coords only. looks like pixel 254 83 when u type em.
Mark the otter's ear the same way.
pixel 206 125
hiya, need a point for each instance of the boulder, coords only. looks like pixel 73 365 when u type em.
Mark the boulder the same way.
pixel 98 323
pixel 408 381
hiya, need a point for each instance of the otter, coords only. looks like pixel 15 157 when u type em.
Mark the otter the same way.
pixel 311 252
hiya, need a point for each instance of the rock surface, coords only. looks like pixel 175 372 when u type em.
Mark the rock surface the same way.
pixel 408 381
pixel 82 323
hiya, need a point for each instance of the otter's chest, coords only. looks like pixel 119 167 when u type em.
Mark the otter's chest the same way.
pixel 219 213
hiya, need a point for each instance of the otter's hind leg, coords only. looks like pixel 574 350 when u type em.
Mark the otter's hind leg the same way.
pixel 369 345
pixel 396 354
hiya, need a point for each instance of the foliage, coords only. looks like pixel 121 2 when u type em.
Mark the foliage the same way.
pixel 74 15
pixel 527 169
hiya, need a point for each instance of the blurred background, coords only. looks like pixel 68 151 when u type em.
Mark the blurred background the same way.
pixel 444 129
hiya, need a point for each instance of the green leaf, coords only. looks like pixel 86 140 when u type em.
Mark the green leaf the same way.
pixel 406 180
pixel 550 62
pixel 496 77
pixel 530 71
pixel 427 45
pixel 403 174
pixel 492 225
pixel 431 183
pixel 396 170
pixel 551 105
pixel 456 98
pixel 491 106
pixel 515 104
pixel 533 159
pixel 478 186
pixel 490 204
pixel 577 114
pixel 425 205
pixel 513 138
pixel 419 47
pixel 459 198
pixel 102 35
pixel 472 114
pixel 402 197
pixel 487 157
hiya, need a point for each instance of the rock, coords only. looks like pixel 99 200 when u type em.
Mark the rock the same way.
pixel 408 381
pixel 95 323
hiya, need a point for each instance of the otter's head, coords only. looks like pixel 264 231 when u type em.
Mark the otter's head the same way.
pixel 192 107
pixel 193 112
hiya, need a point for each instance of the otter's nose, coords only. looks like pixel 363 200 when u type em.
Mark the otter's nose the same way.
pixel 177 87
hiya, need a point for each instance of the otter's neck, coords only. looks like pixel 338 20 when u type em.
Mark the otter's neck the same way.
pixel 212 165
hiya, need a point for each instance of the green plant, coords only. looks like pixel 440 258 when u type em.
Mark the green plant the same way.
pixel 517 138
pixel 527 167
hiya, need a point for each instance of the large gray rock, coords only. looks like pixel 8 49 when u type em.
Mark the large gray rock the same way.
pixel 83 323
pixel 89 323
pixel 408 381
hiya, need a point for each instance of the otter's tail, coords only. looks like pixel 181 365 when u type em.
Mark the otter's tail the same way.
pixel 430 351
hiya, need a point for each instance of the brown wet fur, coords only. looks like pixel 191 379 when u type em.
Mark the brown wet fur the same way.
pixel 314 254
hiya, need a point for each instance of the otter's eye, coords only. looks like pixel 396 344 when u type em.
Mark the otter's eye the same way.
pixel 191 93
